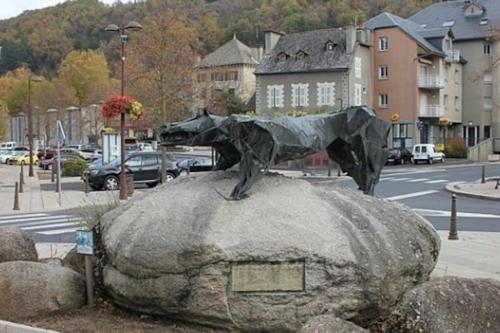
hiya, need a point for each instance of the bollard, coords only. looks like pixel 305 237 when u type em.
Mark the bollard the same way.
pixel 483 174
pixel 21 181
pixel 453 235
pixel 329 171
pixel 163 168
pixel 16 198
pixel 86 181
pixel 188 170
pixel 338 172
pixel 22 173
pixel 52 175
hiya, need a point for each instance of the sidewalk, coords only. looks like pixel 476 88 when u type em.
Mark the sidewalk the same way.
pixel 39 195
pixel 476 189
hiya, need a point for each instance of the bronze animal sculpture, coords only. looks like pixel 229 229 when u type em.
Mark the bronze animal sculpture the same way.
pixel 354 138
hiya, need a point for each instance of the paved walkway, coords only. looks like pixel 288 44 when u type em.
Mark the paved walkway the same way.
pixel 39 194
pixel 476 189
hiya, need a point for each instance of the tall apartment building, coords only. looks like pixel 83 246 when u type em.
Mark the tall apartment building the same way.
pixel 476 30
pixel 231 69
pixel 417 80
pixel 323 69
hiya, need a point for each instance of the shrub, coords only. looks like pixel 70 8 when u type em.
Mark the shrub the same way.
pixel 74 168
pixel 456 148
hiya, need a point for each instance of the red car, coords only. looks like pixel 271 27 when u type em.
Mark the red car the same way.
pixel 45 153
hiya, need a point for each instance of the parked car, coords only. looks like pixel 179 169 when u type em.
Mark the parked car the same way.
pixel 144 166
pixel 46 164
pixel 4 158
pixel 426 152
pixel 196 164
pixel 76 147
pixel 46 153
pixel 22 157
pixel 8 145
pixel 91 153
pixel 144 146
pixel 399 156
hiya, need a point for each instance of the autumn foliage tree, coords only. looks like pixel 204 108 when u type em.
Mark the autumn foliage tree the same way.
pixel 160 66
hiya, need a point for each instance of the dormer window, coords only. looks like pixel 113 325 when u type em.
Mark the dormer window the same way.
pixel 448 23
pixel 483 21
pixel 474 9
pixel 329 46
pixel 282 56
pixel 300 55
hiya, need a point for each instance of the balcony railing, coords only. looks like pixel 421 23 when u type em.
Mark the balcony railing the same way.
pixel 431 81
pixel 431 111
pixel 452 56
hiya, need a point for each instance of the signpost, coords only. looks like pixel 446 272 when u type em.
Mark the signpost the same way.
pixel 85 246
pixel 59 134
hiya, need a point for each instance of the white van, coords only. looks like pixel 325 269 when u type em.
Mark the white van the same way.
pixel 7 145
pixel 426 152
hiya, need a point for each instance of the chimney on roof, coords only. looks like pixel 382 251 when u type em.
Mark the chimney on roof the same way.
pixel 350 38
pixel 257 52
pixel 271 39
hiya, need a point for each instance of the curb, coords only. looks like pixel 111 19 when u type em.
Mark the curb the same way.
pixel 450 188
pixel 9 327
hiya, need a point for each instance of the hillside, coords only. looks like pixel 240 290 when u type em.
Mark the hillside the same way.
pixel 42 38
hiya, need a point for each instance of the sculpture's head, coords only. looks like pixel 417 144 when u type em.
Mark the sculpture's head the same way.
pixel 187 131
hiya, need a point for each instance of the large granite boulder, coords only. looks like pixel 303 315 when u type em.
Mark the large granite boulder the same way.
pixel 290 251
pixel 16 244
pixel 29 289
pixel 330 324
pixel 449 304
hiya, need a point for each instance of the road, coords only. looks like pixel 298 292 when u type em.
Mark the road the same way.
pixel 422 187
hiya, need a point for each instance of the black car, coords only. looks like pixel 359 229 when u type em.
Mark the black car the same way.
pixel 144 166
pixel 399 156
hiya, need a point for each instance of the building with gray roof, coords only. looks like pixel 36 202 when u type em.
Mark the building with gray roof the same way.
pixel 475 26
pixel 321 70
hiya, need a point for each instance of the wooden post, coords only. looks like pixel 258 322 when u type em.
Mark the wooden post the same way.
pixel 21 182
pixel 89 281
pixel 483 174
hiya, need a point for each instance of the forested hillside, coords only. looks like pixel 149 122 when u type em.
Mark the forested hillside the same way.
pixel 42 38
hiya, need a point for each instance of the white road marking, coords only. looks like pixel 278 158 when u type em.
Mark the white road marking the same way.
pixel 51 226
pixel 20 216
pixel 385 178
pixel 410 195
pixel 399 179
pixel 75 219
pixel 57 231
pixel 418 180
pixel 49 218
pixel 444 213
pixel 437 181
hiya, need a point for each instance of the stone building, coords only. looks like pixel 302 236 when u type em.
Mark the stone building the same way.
pixel 476 31
pixel 231 69
pixel 323 69
pixel 417 80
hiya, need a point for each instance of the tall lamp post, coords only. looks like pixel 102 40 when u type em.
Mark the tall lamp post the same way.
pixel 31 78
pixel 49 112
pixel 129 27
pixel 70 110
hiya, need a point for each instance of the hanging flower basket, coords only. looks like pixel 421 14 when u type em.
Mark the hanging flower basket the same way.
pixel 116 104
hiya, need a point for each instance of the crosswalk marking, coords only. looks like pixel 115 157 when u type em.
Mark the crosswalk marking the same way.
pixel 57 232
pixel 20 216
pixel 437 181
pixel 444 213
pixel 418 180
pixel 36 227
pixel 399 179
pixel 43 223
pixel 410 195
pixel 50 218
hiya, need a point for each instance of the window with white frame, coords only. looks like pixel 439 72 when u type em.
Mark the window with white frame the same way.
pixel 487 103
pixel 487 49
pixel 275 96
pixel 457 76
pixel 357 67
pixel 358 91
pixel 488 78
pixel 383 100
pixel 326 93
pixel 383 43
pixel 383 72
pixel 457 103
pixel 300 92
pixel 445 102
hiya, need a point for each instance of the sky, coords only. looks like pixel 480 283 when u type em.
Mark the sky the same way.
pixel 11 8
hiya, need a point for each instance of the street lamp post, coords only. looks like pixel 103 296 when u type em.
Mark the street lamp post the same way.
pixel 49 112
pixel 70 123
pixel 131 26
pixel 30 121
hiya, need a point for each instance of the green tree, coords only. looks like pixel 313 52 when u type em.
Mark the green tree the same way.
pixel 227 103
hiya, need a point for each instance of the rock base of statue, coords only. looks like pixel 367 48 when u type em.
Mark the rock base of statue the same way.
pixel 290 251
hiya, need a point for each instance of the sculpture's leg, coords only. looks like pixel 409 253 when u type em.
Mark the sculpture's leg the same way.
pixel 249 169
pixel 229 156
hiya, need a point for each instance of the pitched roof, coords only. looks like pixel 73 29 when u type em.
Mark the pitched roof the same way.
pixel 464 27
pixel 233 52
pixel 387 20
pixel 316 58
